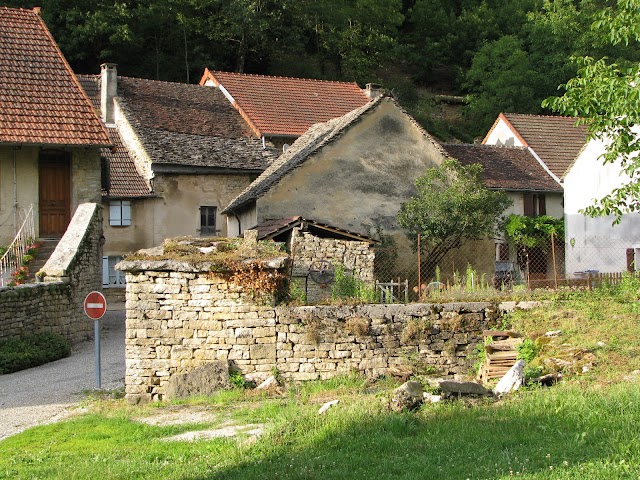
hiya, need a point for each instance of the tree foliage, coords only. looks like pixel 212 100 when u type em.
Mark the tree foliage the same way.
pixel 605 96
pixel 529 232
pixel 452 205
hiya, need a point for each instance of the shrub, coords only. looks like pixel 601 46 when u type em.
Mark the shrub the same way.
pixel 346 286
pixel 31 351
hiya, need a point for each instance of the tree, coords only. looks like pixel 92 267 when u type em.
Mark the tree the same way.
pixel 500 79
pixel 451 206
pixel 605 96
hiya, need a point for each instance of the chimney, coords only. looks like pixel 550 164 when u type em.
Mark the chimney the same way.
pixel 373 90
pixel 37 10
pixel 108 90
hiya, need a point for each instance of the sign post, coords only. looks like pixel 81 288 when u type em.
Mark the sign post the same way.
pixel 95 306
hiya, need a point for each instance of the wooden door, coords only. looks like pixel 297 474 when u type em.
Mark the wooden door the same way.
pixel 55 193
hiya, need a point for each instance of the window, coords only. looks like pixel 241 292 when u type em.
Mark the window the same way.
pixel 110 276
pixel 120 213
pixel 208 220
pixel 534 204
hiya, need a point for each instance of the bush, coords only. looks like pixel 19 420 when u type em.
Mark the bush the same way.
pixel 348 287
pixel 26 352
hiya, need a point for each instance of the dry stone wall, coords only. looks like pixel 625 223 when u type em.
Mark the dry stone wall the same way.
pixel 57 305
pixel 181 316
pixel 356 257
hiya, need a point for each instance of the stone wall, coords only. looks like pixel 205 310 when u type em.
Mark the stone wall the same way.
pixel 181 316
pixel 356 256
pixel 57 305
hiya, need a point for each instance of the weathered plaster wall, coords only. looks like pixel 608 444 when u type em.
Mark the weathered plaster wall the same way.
pixel 123 240
pixel 71 273
pixel 359 180
pixel 503 135
pixel 27 187
pixel 85 183
pixel 182 195
pixel 178 321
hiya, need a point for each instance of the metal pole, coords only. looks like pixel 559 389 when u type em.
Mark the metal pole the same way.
pixel 96 325
pixel 419 272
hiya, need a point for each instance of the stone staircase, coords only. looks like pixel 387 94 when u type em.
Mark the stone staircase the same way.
pixel 48 247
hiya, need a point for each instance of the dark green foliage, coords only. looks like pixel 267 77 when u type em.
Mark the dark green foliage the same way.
pixel 347 287
pixel 31 351
pixel 452 205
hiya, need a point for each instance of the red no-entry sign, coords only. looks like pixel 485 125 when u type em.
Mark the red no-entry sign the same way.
pixel 95 305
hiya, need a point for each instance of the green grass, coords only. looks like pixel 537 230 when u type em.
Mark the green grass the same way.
pixel 585 427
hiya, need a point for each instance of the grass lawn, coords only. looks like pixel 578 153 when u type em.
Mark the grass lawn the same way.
pixel 587 427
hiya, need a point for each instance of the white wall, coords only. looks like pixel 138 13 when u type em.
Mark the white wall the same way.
pixel 594 243
pixel 503 135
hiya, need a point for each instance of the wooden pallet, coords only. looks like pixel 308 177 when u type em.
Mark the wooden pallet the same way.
pixel 501 353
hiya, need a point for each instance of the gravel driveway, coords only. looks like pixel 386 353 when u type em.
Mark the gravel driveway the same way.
pixel 50 392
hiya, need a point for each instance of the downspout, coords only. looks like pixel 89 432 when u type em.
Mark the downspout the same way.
pixel 264 146
pixel 15 191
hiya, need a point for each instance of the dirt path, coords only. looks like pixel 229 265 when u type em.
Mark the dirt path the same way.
pixel 53 391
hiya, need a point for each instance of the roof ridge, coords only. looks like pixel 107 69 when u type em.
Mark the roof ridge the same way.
pixel 484 145
pixel 258 75
pixel 541 116
pixel 169 82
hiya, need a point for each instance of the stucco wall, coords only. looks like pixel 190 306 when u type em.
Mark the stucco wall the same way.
pixel 85 183
pixel 503 135
pixel 128 239
pixel 359 180
pixel 181 197
pixel 595 243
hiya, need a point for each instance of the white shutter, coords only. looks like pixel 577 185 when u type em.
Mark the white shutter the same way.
pixel 105 271
pixel 115 213
pixel 126 212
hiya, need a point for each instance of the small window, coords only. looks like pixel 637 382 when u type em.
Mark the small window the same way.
pixel 208 220
pixel 534 204
pixel 120 213
pixel 110 276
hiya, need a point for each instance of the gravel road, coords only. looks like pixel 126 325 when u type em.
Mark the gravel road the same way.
pixel 53 391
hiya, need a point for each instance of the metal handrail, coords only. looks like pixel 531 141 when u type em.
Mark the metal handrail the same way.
pixel 12 258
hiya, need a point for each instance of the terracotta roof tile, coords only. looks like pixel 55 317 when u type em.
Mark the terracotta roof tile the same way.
pixel 124 179
pixel 189 125
pixel 285 106
pixel 556 140
pixel 41 102
pixel 505 168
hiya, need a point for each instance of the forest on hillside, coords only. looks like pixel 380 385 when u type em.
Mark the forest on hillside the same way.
pixel 500 55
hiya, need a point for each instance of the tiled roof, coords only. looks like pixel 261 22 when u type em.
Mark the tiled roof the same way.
pixel 556 140
pixel 124 181
pixel 505 168
pixel 274 227
pixel 317 137
pixel 190 125
pixel 285 106
pixel 40 100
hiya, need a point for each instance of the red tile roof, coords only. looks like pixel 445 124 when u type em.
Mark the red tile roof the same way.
pixel 556 140
pixel 41 101
pixel 285 106
pixel 505 168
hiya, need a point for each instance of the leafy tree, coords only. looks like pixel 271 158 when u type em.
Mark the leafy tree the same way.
pixel 605 96
pixel 500 79
pixel 452 205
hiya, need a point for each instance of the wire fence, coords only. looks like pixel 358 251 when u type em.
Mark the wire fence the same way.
pixel 492 267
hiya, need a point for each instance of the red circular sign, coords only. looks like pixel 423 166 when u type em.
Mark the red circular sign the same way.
pixel 95 305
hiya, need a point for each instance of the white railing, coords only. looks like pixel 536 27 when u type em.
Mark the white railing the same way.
pixel 11 261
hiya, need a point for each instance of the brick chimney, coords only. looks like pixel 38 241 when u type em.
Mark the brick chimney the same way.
pixel 108 90
pixel 37 10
